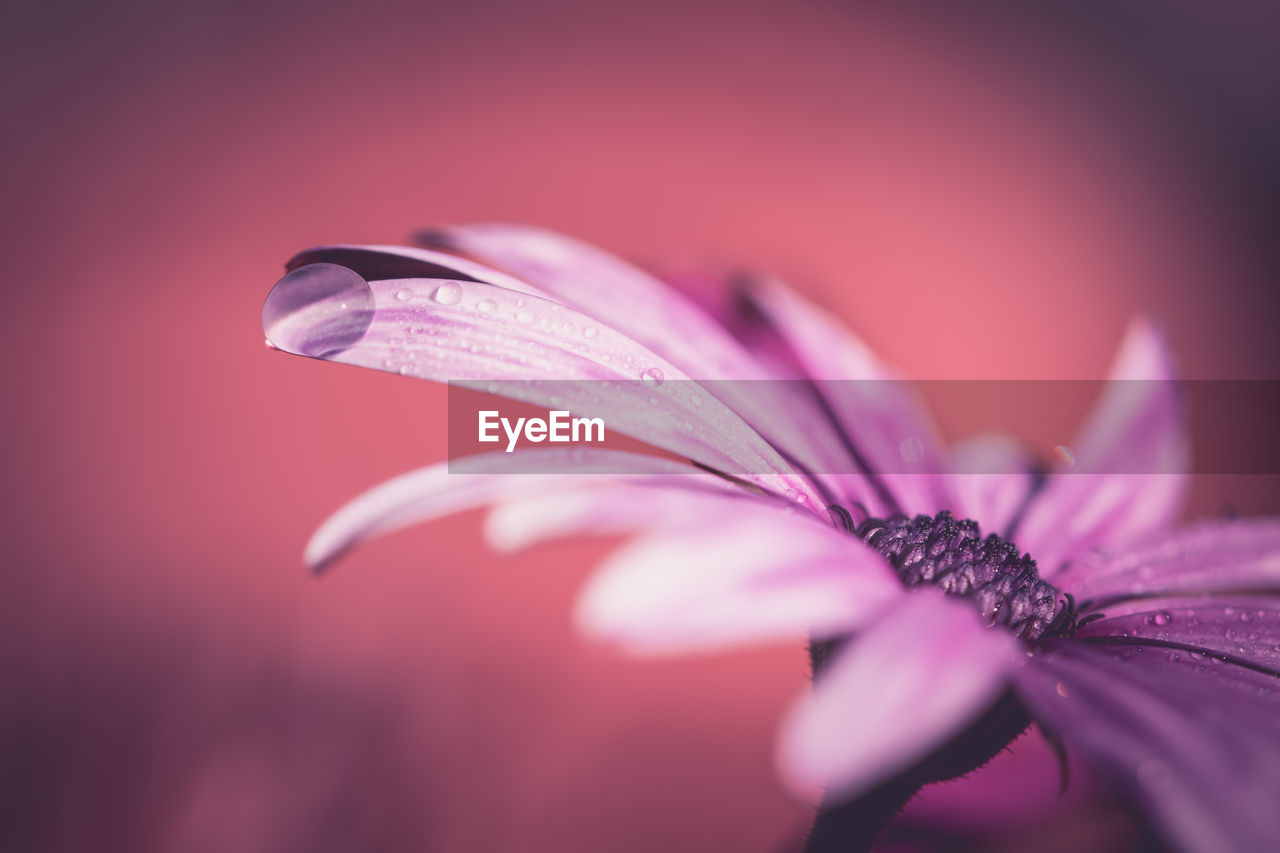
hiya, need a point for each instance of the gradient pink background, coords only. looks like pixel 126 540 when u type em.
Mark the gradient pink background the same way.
pixel 981 195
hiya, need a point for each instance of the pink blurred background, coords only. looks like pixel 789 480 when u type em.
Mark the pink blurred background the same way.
pixel 989 193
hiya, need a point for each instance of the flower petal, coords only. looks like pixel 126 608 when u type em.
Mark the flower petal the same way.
pixel 1131 462
pixel 434 492
pixel 375 263
pixel 607 506
pixel 1199 753
pixel 991 481
pixel 921 673
pixel 1212 556
pixel 750 573
pixel 496 340
pixel 1244 627
pixel 890 431
pixel 671 325
pixel 608 289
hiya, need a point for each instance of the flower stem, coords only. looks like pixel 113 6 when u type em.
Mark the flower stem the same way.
pixel 854 825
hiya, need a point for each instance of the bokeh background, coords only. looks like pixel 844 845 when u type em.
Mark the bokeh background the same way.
pixel 983 191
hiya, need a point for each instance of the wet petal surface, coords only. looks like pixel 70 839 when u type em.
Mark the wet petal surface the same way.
pixel 1193 741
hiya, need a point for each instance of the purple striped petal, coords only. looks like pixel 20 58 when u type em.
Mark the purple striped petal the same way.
pixel 992 481
pixel 1138 427
pixel 1200 752
pixel 671 325
pixel 1244 627
pixel 1213 556
pixel 921 673
pixel 750 573
pixel 610 290
pixel 434 492
pixel 890 429
pixel 494 339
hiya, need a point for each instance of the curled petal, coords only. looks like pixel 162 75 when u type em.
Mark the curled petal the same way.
pixel 375 263
pixel 496 340
pixel 1132 458
pixel 671 325
pixel 749 574
pixel 917 676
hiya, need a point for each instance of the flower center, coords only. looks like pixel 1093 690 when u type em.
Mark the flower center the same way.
pixel 952 555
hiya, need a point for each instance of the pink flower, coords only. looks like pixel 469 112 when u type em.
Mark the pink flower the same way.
pixel 1153 652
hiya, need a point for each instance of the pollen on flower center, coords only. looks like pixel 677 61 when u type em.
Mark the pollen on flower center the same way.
pixel 952 555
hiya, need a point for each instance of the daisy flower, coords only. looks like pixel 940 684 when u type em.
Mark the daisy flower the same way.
pixel 951 596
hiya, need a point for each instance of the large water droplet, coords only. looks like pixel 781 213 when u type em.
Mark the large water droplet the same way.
pixel 319 310
pixel 652 377
pixel 449 293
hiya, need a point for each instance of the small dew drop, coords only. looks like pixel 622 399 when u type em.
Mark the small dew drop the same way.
pixel 404 294
pixel 590 332
pixel 486 306
pixel 652 377
pixel 405 370
pixel 524 318
pixel 1162 618
pixel 911 449
pixel 1246 616
pixel 449 293
pixel 695 400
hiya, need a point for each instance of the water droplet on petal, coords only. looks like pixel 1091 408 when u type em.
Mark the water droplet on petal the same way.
pixel 319 310
pixel 652 377
pixel 590 332
pixel 911 449
pixel 404 294
pixel 1162 618
pixel 449 293
pixel 695 400
pixel 524 318
pixel 486 306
